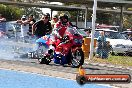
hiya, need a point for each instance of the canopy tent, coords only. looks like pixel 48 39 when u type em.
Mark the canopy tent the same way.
pixel 101 3
pixel 86 6
pixel 88 3
pixel 41 5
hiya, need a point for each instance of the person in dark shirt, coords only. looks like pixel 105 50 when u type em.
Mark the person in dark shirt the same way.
pixel 42 27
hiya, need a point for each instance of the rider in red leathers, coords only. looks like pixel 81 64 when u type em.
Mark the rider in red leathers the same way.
pixel 62 25
pixel 60 28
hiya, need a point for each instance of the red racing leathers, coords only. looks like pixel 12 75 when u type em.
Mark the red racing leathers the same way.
pixel 62 28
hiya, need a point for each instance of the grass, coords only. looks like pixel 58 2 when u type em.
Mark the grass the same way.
pixel 116 60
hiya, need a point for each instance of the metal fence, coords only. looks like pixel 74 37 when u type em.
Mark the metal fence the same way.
pixel 115 48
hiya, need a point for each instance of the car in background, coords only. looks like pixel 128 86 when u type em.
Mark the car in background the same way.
pixel 128 34
pixel 111 27
pixel 120 44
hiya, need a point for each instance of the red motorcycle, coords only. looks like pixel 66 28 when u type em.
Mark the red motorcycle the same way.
pixel 68 50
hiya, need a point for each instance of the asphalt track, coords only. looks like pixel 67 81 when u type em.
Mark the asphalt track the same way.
pixel 58 71
pixel 15 79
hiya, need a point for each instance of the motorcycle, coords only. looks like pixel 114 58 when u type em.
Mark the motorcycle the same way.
pixel 66 50
pixel 69 50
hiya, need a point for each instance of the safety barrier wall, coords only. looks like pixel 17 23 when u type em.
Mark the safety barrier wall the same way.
pixel 86 45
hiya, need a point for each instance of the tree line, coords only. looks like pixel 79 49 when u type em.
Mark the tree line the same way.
pixel 11 12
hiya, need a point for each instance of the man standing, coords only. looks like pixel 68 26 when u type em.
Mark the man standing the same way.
pixel 2 19
pixel 42 27
pixel 24 26
pixel 2 25
pixel 54 20
pixel 103 48
pixel 31 21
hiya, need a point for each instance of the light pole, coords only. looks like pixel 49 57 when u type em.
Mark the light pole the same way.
pixel 93 30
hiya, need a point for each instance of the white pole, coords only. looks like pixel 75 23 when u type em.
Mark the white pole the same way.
pixel 86 17
pixel 93 30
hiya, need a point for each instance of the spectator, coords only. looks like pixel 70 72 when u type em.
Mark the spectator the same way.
pixel 54 20
pixel 24 26
pixel 2 19
pixel 88 31
pixel 130 37
pixel 42 27
pixel 102 49
pixel 31 21
pixel 48 15
pixel 2 25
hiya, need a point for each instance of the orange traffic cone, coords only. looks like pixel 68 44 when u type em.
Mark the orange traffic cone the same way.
pixel 82 71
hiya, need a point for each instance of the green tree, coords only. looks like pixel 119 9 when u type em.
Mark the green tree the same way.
pixel 10 12
pixel 127 21
pixel 104 18
pixel 37 12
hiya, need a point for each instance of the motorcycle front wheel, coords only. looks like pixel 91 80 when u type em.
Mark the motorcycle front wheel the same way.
pixel 45 60
pixel 77 58
pixel 42 57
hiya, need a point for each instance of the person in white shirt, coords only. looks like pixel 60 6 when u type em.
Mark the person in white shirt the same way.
pixel 24 26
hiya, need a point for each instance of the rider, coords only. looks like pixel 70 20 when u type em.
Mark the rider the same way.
pixel 62 25
pixel 60 28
